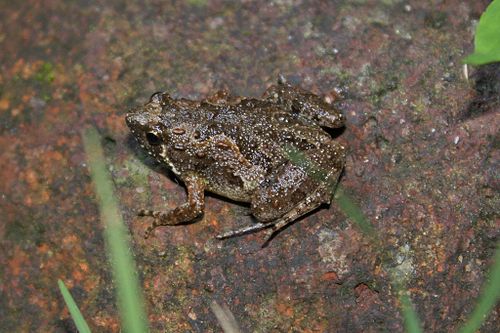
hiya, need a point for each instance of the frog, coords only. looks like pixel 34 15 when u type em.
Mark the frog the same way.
pixel 273 153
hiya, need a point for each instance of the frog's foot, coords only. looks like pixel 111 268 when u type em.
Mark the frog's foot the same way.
pixel 148 231
pixel 156 215
pixel 152 226
pixel 184 213
pixel 147 212
pixel 244 230
pixel 305 206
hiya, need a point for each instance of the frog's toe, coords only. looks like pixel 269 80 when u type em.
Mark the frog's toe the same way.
pixel 244 230
pixel 149 230
pixel 145 212
pixel 269 235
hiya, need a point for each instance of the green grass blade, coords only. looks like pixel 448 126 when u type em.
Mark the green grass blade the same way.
pixel 488 298
pixel 345 203
pixel 353 212
pixel 411 321
pixel 129 296
pixel 77 316
pixel 487 39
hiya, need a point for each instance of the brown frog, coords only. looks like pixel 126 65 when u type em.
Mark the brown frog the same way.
pixel 270 152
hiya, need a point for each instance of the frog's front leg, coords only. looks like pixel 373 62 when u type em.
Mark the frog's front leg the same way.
pixel 187 212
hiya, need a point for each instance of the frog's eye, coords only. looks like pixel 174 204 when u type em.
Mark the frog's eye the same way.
pixel 153 139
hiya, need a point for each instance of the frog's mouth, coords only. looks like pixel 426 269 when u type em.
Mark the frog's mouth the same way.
pixel 137 124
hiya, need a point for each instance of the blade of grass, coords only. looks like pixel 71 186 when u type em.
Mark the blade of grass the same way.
pixel 129 296
pixel 77 316
pixel 412 323
pixel 346 204
pixel 488 298
pixel 353 212
pixel 225 317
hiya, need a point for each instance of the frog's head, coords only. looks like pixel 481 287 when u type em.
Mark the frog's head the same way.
pixel 147 125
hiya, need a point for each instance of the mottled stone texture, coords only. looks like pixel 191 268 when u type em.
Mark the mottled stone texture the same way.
pixel 422 162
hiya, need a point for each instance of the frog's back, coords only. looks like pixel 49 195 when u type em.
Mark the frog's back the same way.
pixel 262 129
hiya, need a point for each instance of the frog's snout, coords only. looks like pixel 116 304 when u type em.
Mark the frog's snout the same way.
pixel 130 119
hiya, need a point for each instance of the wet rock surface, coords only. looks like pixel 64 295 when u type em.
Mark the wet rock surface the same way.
pixel 422 163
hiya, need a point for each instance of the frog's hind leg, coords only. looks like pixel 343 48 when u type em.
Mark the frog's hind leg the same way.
pixel 277 197
pixel 297 188
pixel 307 205
pixel 299 101
pixel 245 230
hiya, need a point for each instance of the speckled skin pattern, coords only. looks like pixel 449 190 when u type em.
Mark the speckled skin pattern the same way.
pixel 271 152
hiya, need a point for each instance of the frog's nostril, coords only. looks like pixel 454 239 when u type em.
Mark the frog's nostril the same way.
pixel 130 119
